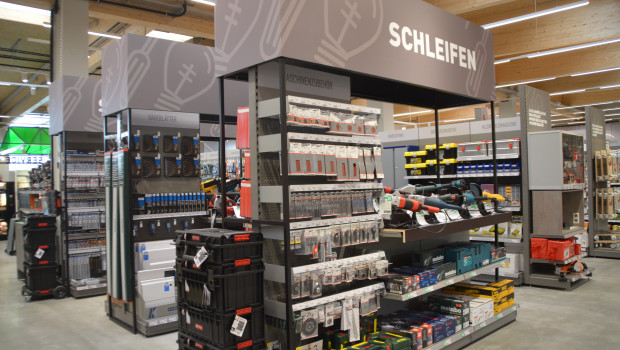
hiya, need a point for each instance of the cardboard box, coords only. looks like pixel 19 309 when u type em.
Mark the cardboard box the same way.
pixel 445 270
pixel 448 305
pixel 503 285
pixel 402 284
pixel 157 258
pixel 474 290
pixel 157 289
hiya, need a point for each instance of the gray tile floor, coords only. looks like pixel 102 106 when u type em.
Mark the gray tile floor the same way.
pixel 585 318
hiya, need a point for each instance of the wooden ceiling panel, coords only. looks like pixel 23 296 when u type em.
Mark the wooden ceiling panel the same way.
pixel 588 97
pixel 459 7
pixel 580 82
pixel 526 69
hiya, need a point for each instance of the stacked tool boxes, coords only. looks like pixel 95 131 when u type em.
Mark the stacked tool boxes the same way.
pixel 220 289
pixel 40 255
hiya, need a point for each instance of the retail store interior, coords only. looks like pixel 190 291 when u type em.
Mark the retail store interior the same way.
pixel 309 175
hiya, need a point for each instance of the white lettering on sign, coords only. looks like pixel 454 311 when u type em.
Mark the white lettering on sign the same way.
pixel 33 159
pixel 597 130
pixel 537 118
pixel 426 45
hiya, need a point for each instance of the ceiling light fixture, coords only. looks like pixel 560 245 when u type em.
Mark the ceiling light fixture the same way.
pixel 104 35
pixel 413 113
pixel 404 123
pixel 47 79
pixel 457 120
pixel 169 36
pixel 595 71
pixel 612 115
pixel 38 41
pixel 22 84
pixel 210 3
pixel 505 60
pixel 4 84
pixel 611 109
pixel 566 92
pixel 571 48
pixel 590 104
pixel 581 122
pixel 610 86
pixel 24 78
pixel 524 82
pixel 33 90
pixel 563 119
pixel 536 14
pixel 46 25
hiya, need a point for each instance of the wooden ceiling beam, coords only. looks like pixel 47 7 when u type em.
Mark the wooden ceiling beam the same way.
pixel 580 82
pixel 510 9
pixel 526 69
pixel 588 97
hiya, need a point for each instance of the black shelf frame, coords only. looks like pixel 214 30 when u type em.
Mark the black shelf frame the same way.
pixel 362 86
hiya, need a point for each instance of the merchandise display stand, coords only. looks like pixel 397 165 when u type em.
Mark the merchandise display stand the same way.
pixel 557 181
pixel 602 174
pixel 151 183
pixel 82 227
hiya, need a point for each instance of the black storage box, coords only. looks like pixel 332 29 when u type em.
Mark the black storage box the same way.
pixel 39 221
pixel 215 328
pixel 224 246
pixel 48 257
pixel 40 278
pixel 188 342
pixel 231 287
pixel 39 236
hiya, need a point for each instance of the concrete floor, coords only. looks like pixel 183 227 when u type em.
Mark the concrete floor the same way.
pixel 585 318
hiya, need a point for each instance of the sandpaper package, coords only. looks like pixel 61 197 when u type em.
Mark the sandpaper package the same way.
pixel 330 160
pixel 353 159
pixel 378 163
pixel 342 163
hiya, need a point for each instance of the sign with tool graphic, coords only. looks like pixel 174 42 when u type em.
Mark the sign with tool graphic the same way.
pixel 75 104
pixel 406 40
pixel 156 74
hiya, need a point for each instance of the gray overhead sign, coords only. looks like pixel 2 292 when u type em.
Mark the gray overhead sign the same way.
pixel 75 104
pixel 406 40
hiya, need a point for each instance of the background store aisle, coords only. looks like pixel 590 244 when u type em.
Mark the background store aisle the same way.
pixel 69 323
pixel 585 318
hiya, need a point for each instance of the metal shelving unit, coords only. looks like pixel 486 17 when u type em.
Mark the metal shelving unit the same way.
pixel 79 177
pixel 134 216
pixel 596 141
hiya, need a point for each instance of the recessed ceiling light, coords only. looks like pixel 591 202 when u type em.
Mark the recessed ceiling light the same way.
pixel 595 71
pixel 24 78
pixel 524 82
pixel 169 36
pixel 536 14
pixel 566 92
pixel 104 35
pixel 212 3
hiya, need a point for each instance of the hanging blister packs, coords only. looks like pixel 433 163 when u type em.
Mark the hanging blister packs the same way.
pixel 378 163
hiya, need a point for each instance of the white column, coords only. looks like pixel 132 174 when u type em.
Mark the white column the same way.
pixel 386 121
pixel 70 41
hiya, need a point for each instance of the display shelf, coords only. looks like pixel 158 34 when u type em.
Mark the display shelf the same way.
pixel 271 143
pixel 443 229
pixel 336 297
pixel 486 277
pixel 333 187
pixel 478 158
pixel 271 108
pixel 473 333
pixel 318 223
pixel 168 215
pixel 607 241
pixel 506 174
pixel 88 291
pixel 558 262
pixel 606 253
pixel 492 239
pixel 564 235
pixel 85 209
pixel 86 250
pixel 443 283
pixel 430 177
pixel 553 281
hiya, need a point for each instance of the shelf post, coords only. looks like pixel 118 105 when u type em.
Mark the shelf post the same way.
pixel 495 184
pixel 222 150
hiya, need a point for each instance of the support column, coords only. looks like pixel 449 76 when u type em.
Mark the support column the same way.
pixel 386 121
pixel 70 39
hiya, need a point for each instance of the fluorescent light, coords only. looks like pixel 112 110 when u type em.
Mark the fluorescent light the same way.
pixel 169 36
pixel 566 92
pixel 24 78
pixel 581 122
pixel 536 14
pixel 403 128
pixel 563 119
pixel 24 9
pixel 404 123
pixel 33 90
pixel 46 25
pixel 104 35
pixel 211 3
pixel 457 120
pixel 571 48
pixel 22 84
pixel 38 41
pixel 5 84
pixel 589 104
pixel 31 120
pixel 23 14
pixel 611 109
pixel 524 82
pixel 595 71
pixel 5 116
pixel 610 86
pixel 505 60
pixel 412 113
pixel 612 115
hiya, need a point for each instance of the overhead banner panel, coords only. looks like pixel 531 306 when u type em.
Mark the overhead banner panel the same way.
pixel 75 104
pixel 405 40
pixel 156 74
